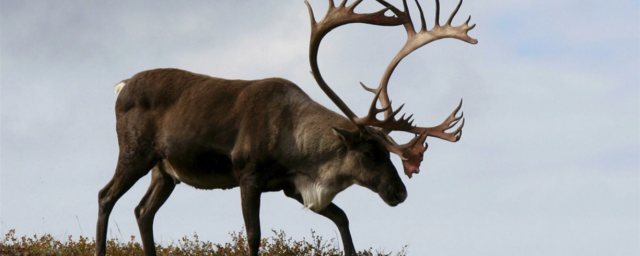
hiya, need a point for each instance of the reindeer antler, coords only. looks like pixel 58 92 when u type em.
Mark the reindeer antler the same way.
pixel 412 152
pixel 416 40
pixel 338 16
pixel 335 17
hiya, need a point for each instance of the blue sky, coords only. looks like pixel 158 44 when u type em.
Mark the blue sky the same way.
pixel 548 163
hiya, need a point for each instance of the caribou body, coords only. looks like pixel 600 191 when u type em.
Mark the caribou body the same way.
pixel 260 135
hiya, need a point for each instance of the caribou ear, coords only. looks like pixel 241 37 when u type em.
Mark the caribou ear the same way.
pixel 347 137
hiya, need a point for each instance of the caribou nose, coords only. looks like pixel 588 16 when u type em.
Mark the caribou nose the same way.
pixel 396 198
pixel 402 196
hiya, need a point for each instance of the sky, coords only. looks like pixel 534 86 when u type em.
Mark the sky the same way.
pixel 548 163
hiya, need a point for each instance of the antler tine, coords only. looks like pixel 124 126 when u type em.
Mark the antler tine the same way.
pixel 453 14
pixel 391 117
pixel 353 5
pixel 450 122
pixel 395 10
pixel 409 25
pixel 424 23
pixel 437 13
pixel 369 89
pixel 470 27
pixel 373 110
pixel 311 16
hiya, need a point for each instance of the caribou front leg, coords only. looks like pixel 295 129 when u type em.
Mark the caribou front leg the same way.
pixel 337 215
pixel 250 195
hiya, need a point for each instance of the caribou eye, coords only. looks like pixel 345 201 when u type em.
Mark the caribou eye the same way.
pixel 368 154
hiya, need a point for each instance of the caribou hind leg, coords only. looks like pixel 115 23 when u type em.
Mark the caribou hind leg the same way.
pixel 127 174
pixel 136 158
pixel 159 191
pixel 337 215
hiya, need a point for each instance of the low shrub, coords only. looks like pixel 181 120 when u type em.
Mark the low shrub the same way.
pixel 277 245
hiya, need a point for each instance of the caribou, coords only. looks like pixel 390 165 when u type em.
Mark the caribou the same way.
pixel 268 135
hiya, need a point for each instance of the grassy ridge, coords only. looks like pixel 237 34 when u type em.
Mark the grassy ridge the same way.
pixel 277 245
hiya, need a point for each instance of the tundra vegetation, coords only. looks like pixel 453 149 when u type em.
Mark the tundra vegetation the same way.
pixel 276 245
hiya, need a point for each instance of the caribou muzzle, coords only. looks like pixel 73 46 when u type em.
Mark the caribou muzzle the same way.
pixel 393 194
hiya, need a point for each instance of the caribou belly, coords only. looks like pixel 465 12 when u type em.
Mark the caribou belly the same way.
pixel 201 180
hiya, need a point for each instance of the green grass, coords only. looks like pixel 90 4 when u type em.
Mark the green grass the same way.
pixel 277 245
